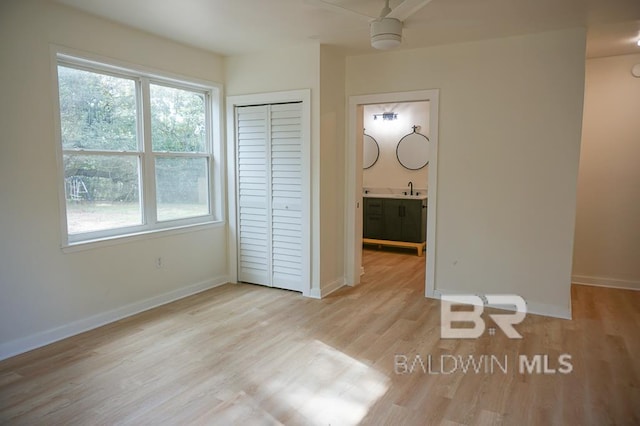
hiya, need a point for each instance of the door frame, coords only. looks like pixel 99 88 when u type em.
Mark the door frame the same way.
pixel 353 166
pixel 232 102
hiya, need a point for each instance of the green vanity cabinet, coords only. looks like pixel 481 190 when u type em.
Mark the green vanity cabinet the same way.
pixel 395 219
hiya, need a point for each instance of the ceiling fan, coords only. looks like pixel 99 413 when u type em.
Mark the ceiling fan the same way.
pixel 386 30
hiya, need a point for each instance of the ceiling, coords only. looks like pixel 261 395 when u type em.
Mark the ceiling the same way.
pixel 236 27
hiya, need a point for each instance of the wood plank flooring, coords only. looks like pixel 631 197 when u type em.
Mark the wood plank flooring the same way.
pixel 244 354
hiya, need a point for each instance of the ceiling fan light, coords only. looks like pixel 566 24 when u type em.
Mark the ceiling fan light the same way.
pixel 386 42
pixel 386 33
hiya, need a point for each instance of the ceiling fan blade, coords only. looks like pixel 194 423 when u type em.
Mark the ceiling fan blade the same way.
pixel 339 9
pixel 407 8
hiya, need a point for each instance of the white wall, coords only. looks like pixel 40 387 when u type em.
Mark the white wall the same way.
pixel 280 69
pixel 510 122
pixel 387 173
pixel 46 294
pixel 607 243
pixel 332 188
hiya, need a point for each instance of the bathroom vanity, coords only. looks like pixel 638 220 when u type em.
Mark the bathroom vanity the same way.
pixel 395 220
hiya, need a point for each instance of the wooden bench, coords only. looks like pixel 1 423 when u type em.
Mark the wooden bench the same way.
pixel 420 247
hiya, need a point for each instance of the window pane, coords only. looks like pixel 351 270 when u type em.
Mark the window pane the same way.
pixel 97 111
pixel 182 187
pixel 102 192
pixel 177 120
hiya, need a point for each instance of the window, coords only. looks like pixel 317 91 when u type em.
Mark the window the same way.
pixel 137 150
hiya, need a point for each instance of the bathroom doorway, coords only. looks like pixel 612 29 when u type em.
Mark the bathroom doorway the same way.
pixel 360 108
pixel 395 179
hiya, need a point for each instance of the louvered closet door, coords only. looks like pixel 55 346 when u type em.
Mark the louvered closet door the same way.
pixel 286 195
pixel 254 245
pixel 270 197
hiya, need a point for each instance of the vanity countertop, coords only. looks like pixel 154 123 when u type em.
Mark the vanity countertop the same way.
pixel 397 196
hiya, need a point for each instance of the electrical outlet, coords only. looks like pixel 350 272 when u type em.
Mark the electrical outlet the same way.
pixel 158 262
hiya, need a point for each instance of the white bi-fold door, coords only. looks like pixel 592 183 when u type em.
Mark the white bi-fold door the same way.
pixel 270 196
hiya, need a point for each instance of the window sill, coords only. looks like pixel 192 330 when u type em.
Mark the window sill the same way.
pixel 138 236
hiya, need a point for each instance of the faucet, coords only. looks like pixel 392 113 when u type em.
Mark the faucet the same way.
pixel 410 187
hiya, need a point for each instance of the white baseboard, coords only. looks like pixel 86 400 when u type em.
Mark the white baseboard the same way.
pixel 327 289
pixel 43 338
pixel 547 310
pixel 535 308
pixel 605 282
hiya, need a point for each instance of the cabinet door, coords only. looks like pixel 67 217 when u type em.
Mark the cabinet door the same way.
pixel 412 221
pixel 392 213
pixel 286 196
pixel 373 226
pixel 254 246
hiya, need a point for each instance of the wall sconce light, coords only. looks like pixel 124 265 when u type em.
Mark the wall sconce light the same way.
pixel 386 116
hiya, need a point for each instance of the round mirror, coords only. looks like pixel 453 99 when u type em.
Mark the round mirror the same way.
pixel 413 151
pixel 370 151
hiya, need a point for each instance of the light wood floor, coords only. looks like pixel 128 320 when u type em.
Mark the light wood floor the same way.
pixel 243 354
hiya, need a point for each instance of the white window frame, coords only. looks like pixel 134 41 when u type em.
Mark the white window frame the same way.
pixel 143 77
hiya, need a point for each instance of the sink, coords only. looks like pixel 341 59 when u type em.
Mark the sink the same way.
pixel 397 196
pixel 414 197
